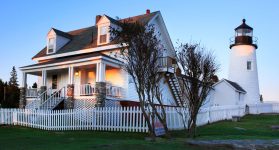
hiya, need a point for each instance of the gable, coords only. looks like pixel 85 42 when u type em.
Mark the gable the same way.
pixel 104 20
pixel 159 24
pixel 51 33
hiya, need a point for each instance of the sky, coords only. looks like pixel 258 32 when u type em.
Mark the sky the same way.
pixel 24 25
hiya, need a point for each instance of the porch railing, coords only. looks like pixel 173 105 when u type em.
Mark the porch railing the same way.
pixel 85 89
pixel 113 91
pixel 166 62
pixel 31 92
pixel 40 99
pixel 90 90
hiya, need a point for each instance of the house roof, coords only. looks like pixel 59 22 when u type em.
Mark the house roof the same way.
pixel 61 33
pixel 71 58
pixel 87 37
pixel 234 85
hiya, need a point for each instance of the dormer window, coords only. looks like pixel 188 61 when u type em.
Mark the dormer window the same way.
pixel 103 35
pixel 50 45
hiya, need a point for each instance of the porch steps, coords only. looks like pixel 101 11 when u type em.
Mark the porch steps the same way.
pixel 173 82
pixel 54 100
pixel 35 104
pixel 48 100
pixel 52 103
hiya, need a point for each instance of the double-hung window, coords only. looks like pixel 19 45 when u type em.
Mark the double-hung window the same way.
pixel 51 45
pixel 103 35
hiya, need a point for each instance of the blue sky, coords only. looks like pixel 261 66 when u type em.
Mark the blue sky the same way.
pixel 24 25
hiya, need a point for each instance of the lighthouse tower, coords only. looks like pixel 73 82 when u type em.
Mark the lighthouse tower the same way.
pixel 243 63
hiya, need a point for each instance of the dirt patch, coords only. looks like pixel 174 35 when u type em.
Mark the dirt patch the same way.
pixel 274 127
pixel 212 147
pixel 59 133
pixel 102 146
pixel 268 114
pixel 5 126
pixel 235 144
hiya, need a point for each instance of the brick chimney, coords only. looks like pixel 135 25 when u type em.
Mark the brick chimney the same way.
pixel 98 17
pixel 147 11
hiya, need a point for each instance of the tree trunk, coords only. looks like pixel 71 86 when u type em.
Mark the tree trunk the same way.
pixel 147 119
pixel 192 125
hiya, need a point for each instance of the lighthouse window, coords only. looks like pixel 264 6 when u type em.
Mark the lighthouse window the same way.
pixel 249 65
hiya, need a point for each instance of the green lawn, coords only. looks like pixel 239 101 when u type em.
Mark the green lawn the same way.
pixel 256 127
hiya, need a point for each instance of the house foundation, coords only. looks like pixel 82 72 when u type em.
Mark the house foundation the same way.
pixel 100 94
pixel 69 101
pixel 22 100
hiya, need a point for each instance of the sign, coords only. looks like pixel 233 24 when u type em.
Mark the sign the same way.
pixel 159 129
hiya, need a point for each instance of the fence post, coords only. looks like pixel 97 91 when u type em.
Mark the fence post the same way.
pixel 14 117
pixel 209 118
pixel 1 116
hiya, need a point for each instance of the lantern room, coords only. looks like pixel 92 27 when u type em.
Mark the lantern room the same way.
pixel 244 36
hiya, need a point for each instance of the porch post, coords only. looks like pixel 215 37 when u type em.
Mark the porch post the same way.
pixel 22 100
pixel 100 84
pixel 44 78
pixel 69 102
pixel 43 88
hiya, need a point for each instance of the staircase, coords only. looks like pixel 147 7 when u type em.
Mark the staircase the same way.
pixel 175 87
pixel 54 100
pixel 35 104
pixel 48 100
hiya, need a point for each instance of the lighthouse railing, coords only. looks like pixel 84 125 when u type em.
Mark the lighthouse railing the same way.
pixel 254 40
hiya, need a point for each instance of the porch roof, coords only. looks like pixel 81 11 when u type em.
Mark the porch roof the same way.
pixel 70 59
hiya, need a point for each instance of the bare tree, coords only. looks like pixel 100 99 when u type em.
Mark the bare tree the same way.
pixel 140 51
pixel 199 68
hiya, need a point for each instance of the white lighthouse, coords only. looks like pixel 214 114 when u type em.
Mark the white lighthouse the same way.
pixel 243 63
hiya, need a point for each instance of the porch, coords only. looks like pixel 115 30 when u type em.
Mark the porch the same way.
pixel 112 91
pixel 80 79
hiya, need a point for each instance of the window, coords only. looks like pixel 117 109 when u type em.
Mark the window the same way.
pixel 130 79
pixel 249 65
pixel 51 45
pixel 103 34
pixel 54 82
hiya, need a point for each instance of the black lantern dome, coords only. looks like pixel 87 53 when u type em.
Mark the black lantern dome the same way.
pixel 244 36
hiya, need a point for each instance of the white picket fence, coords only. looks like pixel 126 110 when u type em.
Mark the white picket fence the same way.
pixel 125 119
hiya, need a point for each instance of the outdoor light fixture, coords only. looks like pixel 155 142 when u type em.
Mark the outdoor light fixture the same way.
pixel 76 73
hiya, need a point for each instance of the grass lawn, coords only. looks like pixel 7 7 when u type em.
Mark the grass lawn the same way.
pixel 250 127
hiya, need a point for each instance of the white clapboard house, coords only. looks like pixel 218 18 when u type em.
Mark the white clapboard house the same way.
pixel 80 67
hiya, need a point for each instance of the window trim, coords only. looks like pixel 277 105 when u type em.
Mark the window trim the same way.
pixel 106 35
pixel 53 46
pixel 251 65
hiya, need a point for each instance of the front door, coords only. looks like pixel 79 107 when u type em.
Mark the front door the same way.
pixel 54 82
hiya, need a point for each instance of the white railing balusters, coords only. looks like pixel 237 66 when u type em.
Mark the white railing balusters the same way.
pixel 31 92
pixel 35 104
pixel 55 98
pixel 90 90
